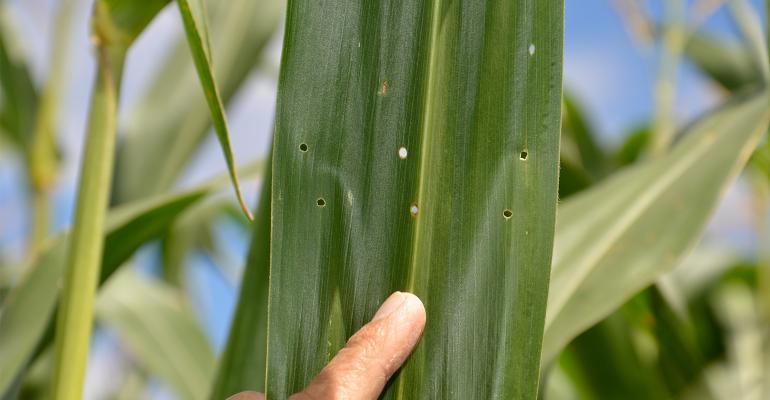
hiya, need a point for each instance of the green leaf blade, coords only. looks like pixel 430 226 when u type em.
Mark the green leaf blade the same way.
pixel 244 355
pixel 465 219
pixel 160 331
pixel 194 19
pixel 617 238
pixel 119 22
pixel 29 307
pixel 18 95
pixel 731 65
pixel 158 146
pixel 27 312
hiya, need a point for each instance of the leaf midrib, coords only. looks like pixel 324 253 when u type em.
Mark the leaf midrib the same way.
pixel 425 139
pixel 426 136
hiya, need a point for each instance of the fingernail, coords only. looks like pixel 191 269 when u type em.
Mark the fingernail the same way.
pixel 391 304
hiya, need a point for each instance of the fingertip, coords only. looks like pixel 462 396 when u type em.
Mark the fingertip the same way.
pixel 414 310
pixel 402 305
pixel 409 323
pixel 413 305
pixel 374 353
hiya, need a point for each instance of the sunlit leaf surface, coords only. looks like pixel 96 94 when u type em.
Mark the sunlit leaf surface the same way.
pixel 618 237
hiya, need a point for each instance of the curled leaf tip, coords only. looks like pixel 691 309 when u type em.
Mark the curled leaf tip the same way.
pixel 242 203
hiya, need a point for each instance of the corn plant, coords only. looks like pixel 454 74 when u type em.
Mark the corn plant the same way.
pixel 421 146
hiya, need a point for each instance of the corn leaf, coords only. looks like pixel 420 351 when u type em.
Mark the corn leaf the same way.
pixel 18 94
pixel 159 330
pixel 729 64
pixel 28 309
pixel 120 22
pixel 244 355
pixel 738 313
pixel 158 146
pixel 196 27
pixel 617 238
pixel 603 363
pixel 190 233
pixel 582 161
pixel 579 140
pixel 633 147
pixel 416 149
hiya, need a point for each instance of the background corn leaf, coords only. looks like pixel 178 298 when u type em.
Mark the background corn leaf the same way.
pixel 664 356
pixel 739 311
pixel 192 232
pixel 633 147
pixel 196 27
pixel 242 365
pixel 27 311
pixel 18 95
pixel 127 228
pixel 579 140
pixel 158 146
pixel 702 267
pixel 730 64
pixel 160 332
pixel 119 22
pixel 416 149
pixel 572 179
pixel 582 161
pixel 609 242
pixel 142 222
pixel 749 24
pixel 603 364
pixel 195 232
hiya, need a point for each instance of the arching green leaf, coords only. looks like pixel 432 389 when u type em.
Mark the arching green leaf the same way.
pixel 618 237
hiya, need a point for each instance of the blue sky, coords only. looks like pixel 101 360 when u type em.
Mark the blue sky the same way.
pixel 605 68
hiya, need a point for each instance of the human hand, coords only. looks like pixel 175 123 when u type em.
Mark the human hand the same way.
pixel 372 355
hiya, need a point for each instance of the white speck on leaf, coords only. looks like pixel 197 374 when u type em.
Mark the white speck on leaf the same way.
pixel 402 153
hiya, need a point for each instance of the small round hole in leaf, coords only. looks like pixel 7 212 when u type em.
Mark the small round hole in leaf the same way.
pixel 303 147
pixel 320 202
pixel 507 214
